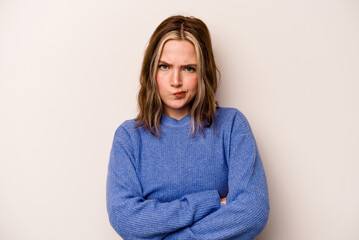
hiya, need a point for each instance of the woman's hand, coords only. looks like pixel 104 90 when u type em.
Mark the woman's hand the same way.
pixel 223 200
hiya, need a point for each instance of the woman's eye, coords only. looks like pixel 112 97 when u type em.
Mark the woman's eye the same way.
pixel 163 66
pixel 190 69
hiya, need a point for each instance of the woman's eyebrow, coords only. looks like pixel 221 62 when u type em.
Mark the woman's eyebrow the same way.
pixel 194 65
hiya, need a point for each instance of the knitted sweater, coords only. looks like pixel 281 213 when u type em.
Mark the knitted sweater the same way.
pixel 170 187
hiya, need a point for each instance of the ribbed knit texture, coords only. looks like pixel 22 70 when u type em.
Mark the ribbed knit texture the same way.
pixel 170 187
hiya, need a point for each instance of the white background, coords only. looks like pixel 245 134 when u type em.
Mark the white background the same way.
pixel 69 76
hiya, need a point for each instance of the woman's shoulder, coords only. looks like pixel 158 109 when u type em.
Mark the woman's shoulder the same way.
pixel 229 113
pixel 127 129
pixel 231 117
pixel 129 124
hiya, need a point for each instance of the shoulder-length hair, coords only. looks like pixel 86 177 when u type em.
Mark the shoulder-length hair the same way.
pixel 203 106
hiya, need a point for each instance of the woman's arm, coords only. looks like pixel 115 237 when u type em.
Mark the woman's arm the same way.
pixel 246 211
pixel 134 217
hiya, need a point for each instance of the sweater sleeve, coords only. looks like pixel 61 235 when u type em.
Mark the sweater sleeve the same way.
pixel 134 217
pixel 246 212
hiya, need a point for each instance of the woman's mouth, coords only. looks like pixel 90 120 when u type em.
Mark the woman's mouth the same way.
pixel 179 94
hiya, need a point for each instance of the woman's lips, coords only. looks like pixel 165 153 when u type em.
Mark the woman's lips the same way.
pixel 179 94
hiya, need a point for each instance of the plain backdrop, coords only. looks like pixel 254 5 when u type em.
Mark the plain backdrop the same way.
pixel 69 76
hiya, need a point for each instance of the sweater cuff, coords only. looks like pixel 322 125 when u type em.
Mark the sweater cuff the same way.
pixel 203 203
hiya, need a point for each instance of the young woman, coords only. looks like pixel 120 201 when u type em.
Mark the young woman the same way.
pixel 184 168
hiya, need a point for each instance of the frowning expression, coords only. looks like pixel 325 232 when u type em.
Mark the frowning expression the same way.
pixel 177 78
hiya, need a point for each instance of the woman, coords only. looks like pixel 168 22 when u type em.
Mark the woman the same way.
pixel 184 168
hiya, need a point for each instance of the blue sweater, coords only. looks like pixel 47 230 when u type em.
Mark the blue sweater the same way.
pixel 170 187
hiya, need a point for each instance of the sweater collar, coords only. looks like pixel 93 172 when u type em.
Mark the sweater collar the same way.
pixel 169 121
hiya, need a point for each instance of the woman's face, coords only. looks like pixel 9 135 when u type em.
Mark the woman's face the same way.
pixel 177 77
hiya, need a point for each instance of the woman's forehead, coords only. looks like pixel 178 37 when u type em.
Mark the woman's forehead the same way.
pixel 181 51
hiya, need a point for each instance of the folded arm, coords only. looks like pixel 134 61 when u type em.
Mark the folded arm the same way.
pixel 133 216
pixel 246 211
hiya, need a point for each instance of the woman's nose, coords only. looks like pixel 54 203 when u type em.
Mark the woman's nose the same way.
pixel 176 79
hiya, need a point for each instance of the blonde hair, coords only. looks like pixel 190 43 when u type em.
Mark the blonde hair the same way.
pixel 203 106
